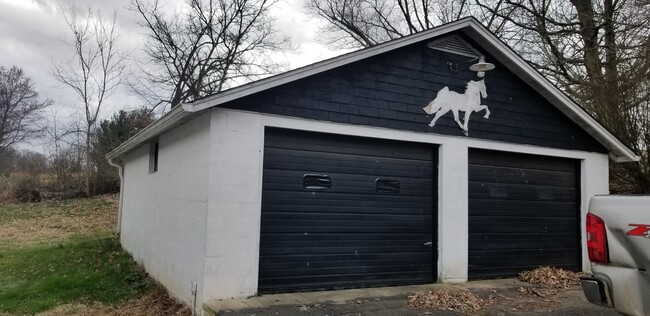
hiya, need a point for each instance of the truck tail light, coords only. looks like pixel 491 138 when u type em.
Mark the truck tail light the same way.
pixel 596 239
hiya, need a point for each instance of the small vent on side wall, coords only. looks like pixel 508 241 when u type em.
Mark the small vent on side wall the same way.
pixel 454 44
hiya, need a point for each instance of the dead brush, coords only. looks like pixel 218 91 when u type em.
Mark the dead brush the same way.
pixel 551 277
pixel 450 300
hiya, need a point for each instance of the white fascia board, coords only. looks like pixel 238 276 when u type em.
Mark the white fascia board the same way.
pixel 156 128
pixel 322 66
pixel 531 76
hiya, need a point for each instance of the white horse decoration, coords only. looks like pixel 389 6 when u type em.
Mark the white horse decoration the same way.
pixel 468 102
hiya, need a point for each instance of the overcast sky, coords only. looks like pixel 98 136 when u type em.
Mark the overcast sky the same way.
pixel 33 35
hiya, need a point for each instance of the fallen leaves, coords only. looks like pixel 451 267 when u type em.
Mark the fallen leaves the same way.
pixel 451 300
pixel 155 302
pixel 54 221
pixel 551 277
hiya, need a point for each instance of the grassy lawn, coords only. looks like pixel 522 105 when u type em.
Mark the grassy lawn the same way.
pixel 92 269
pixel 74 207
pixel 24 225
pixel 67 253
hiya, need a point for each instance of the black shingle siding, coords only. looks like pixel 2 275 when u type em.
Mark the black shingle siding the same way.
pixel 390 90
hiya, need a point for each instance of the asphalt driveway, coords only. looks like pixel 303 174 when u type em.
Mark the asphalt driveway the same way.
pixel 508 297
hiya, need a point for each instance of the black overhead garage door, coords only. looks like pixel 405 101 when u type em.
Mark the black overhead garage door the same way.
pixel 523 213
pixel 344 212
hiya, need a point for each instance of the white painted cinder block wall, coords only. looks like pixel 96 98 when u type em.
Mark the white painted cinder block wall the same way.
pixel 235 186
pixel 164 213
pixel 234 205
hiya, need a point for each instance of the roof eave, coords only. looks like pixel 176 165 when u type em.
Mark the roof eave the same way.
pixel 618 151
pixel 156 128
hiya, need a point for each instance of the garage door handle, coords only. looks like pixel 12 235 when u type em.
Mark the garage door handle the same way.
pixel 428 243
pixel 387 185
pixel 316 182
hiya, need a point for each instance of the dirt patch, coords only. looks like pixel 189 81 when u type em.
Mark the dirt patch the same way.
pixel 544 294
pixel 539 298
pixel 155 302
pixel 551 277
pixel 59 220
pixel 450 300
pixel 77 309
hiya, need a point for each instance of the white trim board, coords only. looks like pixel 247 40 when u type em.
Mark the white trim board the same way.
pixel 452 265
pixel 453 199
pixel 391 134
pixel 469 26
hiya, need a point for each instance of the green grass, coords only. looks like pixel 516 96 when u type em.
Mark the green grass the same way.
pixel 84 269
pixel 54 253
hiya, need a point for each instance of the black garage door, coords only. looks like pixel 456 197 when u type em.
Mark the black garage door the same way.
pixel 344 212
pixel 523 213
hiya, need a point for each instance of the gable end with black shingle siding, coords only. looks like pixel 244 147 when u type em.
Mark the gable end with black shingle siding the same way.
pixel 389 90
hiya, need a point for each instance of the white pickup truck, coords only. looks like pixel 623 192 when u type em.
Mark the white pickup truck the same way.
pixel 618 242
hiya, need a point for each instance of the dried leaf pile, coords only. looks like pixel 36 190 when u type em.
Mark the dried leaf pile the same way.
pixel 451 300
pixel 156 302
pixel 551 277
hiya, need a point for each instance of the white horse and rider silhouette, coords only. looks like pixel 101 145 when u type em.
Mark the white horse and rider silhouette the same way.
pixel 467 102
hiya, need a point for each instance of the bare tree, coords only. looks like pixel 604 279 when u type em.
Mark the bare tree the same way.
pixel 599 53
pixel 20 107
pixel 364 23
pixel 66 153
pixel 7 164
pixel 205 48
pixel 94 71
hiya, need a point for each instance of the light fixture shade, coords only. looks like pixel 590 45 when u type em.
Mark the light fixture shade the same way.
pixel 481 66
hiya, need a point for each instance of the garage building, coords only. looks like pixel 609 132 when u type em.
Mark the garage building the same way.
pixel 333 176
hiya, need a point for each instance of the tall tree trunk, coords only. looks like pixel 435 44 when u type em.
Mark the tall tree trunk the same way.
pixel 601 92
pixel 589 35
pixel 88 159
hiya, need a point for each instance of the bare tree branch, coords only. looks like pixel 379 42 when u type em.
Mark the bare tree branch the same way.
pixel 20 108
pixel 364 23
pixel 209 47
pixel 94 71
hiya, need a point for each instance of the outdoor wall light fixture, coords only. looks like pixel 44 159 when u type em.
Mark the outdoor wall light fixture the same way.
pixel 480 67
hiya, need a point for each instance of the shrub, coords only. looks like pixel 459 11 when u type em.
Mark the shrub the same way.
pixel 27 190
pixel 5 189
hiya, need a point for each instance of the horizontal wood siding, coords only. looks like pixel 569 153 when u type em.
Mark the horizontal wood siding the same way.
pixel 390 90
pixel 348 235
pixel 523 213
